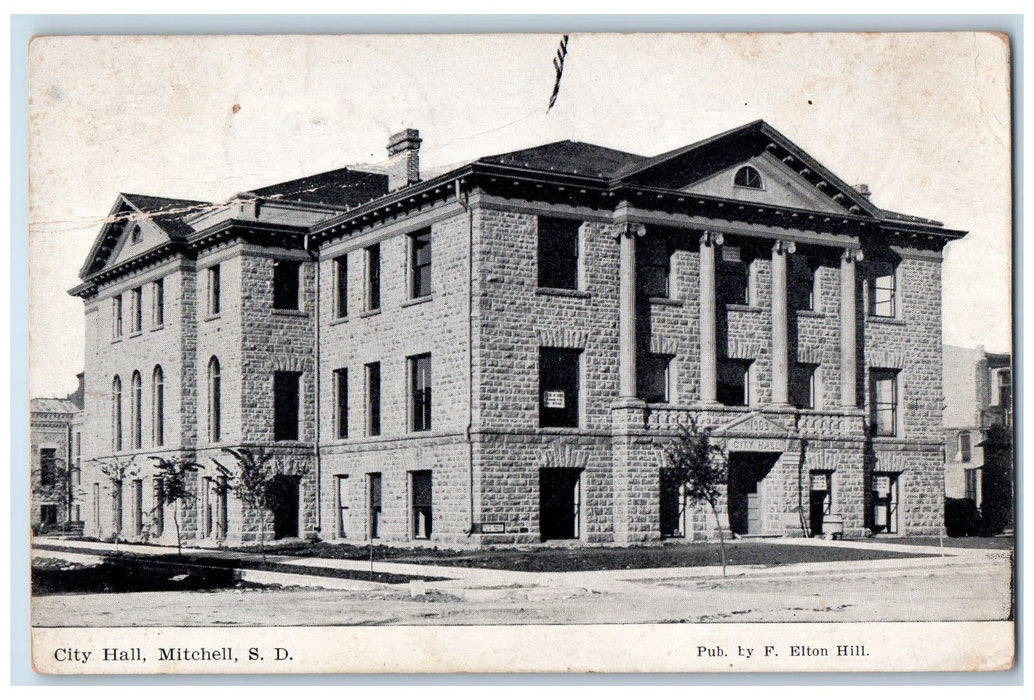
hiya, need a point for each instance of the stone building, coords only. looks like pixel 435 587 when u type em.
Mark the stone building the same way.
pixel 978 414
pixel 566 306
pixel 55 429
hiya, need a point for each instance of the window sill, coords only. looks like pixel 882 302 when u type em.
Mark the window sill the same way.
pixel 744 307
pixel 810 313
pixel 117 340
pixel 369 312
pixel 135 334
pixel 297 313
pixel 557 292
pixel 158 328
pixel 213 317
pixel 557 430
pixel 338 320
pixel 417 300
pixel 888 320
pixel 665 301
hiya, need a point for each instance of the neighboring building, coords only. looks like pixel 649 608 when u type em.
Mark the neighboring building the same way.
pixel 566 306
pixel 978 418
pixel 55 427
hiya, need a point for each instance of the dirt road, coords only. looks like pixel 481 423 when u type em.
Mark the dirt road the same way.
pixel 962 588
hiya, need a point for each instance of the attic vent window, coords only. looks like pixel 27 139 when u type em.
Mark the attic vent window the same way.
pixel 135 235
pixel 748 176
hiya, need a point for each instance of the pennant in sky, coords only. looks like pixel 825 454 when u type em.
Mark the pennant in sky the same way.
pixel 558 64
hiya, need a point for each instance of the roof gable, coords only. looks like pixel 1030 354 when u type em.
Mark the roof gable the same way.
pixel 802 180
pixel 160 220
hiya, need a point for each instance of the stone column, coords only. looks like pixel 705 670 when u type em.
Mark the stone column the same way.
pixel 780 350
pixel 708 320
pixel 627 311
pixel 848 330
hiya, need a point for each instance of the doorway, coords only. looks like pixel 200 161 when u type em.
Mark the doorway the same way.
pixel 559 503
pixel 282 499
pixel 885 502
pixel 672 502
pixel 820 500
pixel 747 470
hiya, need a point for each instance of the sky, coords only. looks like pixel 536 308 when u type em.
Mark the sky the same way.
pixel 922 119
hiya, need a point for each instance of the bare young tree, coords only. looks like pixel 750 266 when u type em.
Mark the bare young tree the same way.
pixel 703 469
pixel 174 477
pixel 249 481
pixel 117 469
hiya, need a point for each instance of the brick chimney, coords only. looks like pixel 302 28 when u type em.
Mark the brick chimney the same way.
pixel 403 159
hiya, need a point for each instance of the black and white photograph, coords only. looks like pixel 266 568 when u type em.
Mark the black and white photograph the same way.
pixel 521 352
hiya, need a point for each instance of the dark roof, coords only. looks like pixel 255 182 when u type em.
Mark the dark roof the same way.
pixel 341 188
pixel 570 157
pixel 167 213
pixel 898 216
pixel 48 405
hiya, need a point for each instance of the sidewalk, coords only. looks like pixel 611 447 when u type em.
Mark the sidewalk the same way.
pixel 470 577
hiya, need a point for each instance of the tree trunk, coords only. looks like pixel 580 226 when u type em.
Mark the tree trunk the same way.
pixel 176 519
pixel 262 534
pixel 721 536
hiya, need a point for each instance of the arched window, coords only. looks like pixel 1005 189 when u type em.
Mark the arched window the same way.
pixel 158 406
pixel 214 400
pixel 748 176
pixel 116 413
pixel 134 410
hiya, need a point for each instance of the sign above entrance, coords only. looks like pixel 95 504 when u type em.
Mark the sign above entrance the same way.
pixel 555 399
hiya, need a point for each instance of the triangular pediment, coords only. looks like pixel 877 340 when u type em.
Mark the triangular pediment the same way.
pixel 789 176
pixel 139 235
pixel 753 425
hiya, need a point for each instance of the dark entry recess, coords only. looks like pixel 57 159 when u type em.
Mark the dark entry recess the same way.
pixel 673 503
pixel 820 500
pixel 746 471
pixel 282 498
pixel 559 503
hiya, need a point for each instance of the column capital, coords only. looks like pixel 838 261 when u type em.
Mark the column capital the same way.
pixel 780 247
pixel 851 255
pixel 630 229
pixel 712 238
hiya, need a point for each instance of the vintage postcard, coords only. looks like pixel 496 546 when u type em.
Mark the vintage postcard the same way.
pixel 524 352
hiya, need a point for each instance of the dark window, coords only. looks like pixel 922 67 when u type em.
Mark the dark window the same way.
pixel 134 410
pixel 733 276
pixel 77 451
pixel 558 253
pixel 973 486
pixel 558 387
pixel 375 505
pixel 965 447
pixel 803 388
pixel 136 300
pixel 48 514
pixel 341 396
pixel 734 382
pixel 135 235
pixel 803 284
pixel 158 513
pixel 116 413
pixel 158 304
pixel 421 505
pixel 883 401
pixel 215 400
pixel 883 290
pixel 420 392
pixel 373 398
pixel 47 466
pixel 285 405
pixel 654 379
pixel 285 284
pixel 655 266
pixel 214 290
pixel 373 277
pixel 420 264
pixel 158 406
pixel 116 316
pixel 341 285
pixel 748 176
